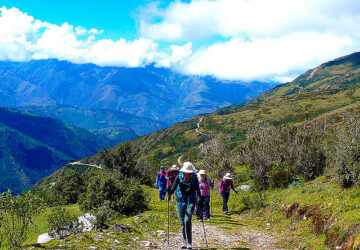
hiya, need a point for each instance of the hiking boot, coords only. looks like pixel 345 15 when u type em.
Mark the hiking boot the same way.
pixel 200 220
pixel 189 246
pixel 208 219
pixel 183 246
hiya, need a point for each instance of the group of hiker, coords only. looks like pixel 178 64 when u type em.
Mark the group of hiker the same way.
pixel 192 192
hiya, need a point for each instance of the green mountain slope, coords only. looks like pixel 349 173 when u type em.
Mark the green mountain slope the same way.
pixel 286 103
pixel 97 118
pixel 33 146
pixel 328 90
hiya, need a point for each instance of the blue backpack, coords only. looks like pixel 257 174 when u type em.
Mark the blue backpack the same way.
pixel 185 185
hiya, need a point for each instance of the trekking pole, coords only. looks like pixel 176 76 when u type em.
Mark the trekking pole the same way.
pixel 207 246
pixel 168 202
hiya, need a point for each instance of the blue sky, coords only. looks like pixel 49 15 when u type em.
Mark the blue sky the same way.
pixel 249 40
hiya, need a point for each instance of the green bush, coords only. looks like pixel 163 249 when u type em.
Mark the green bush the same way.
pixel 114 191
pixel 60 220
pixel 16 215
pixel 254 201
pixel 68 188
pixel 103 216
pixel 279 176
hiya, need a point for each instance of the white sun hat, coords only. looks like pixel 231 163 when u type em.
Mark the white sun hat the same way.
pixel 227 176
pixel 174 167
pixel 202 171
pixel 188 167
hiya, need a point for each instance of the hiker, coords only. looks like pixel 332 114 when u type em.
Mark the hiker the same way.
pixel 170 177
pixel 203 207
pixel 186 185
pixel 161 183
pixel 226 184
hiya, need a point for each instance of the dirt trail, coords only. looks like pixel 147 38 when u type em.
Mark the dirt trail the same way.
pixel 90 165
pixel 198 126
pixel 220 238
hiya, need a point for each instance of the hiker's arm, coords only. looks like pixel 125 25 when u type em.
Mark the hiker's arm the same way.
pixel 157 180
pixel 211 183
pixel 167 177
pixel 175 185
pixel 232 187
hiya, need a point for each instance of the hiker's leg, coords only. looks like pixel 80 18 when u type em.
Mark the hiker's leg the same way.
pixel 226 194
pixel 197 209
pixel 224 201
pixel 187 221
pixel 206 207
pixel 162 192
pixel 181 213
pixel 202 200
pixel 169 195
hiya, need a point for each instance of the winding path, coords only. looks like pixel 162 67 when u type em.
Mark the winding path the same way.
pixel 90 165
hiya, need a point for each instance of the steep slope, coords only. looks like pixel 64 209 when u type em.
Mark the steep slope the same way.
pixel 276 106
pixel 155 93
pixel 328 91
pixel 33 146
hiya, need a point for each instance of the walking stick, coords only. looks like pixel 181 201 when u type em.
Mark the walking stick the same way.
pixel 207 246
pixel 168 202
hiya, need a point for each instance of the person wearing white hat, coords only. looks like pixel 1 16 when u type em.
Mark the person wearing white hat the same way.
pixel 226 184
pixel 203 207
pixel 187 189
pixel 170 176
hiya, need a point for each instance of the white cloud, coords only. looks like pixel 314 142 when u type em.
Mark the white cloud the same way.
pixel 264 39
pixel 201 19
pixel 24 38
pixel 272 40
pixel 265 59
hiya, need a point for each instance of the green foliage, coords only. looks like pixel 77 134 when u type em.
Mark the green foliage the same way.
pixel 16 215
pixel 280 175
pixel 69 187
pixel 254 201
pixel 270 149
pixel 121 159
pixel 103 216
pixel 60 219
pixel 111 189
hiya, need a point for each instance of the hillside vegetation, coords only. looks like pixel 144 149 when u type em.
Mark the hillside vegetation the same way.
pixel 32 147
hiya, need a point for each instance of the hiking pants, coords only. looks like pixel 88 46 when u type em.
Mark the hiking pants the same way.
pixel 225 196
pixel 203 208
pixel 185 211
pixel 162 192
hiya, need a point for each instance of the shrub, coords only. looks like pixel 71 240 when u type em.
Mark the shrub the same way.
pixel 280 175
pixel 103 216
pixel 254 201
pixel 297 147
pixel 16 215
pixel 114 191
pixel 121 159
pixel 60 220
pixel 69 187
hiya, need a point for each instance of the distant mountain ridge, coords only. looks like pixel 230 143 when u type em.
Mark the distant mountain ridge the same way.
pixel 33 146
pixel 155 93
pixel 116 125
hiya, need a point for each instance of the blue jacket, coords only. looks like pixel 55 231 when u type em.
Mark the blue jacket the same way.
pixel 161 179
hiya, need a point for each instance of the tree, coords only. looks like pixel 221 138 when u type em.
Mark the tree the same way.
pixel 69 187
pixel 16 215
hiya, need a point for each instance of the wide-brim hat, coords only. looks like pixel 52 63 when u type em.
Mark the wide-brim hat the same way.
pixel 188 167
pixel 202 171
pixel 227 176
pixel 174 167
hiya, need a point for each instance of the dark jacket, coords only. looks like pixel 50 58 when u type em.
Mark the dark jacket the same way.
pixel 189 190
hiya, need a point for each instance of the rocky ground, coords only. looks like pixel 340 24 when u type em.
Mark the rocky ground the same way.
pixel 218 238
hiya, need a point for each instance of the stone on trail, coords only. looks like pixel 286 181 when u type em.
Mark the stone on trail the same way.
pixel 121 227
pixel 245 187
pixel 87 221
pixel 43 238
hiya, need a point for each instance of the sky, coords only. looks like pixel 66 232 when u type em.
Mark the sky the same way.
pixel 247 40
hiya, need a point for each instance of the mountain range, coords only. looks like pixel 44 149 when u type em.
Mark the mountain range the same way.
pixel 33 146
pixel 151 92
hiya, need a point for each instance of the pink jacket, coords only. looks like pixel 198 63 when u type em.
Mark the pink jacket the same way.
pixel 205 186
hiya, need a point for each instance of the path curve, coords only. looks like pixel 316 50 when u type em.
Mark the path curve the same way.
pixel 90 165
